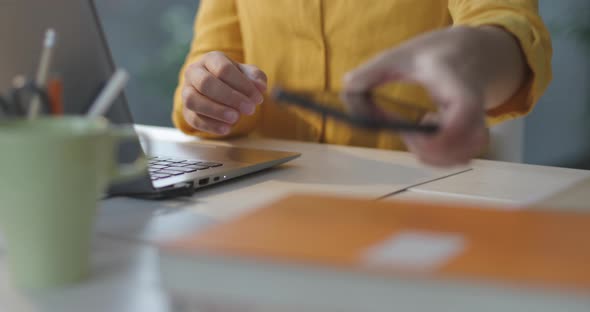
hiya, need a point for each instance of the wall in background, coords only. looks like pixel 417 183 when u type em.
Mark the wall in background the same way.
pixel 150 38
pixel 558 131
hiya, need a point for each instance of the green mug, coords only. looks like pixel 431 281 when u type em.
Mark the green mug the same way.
pixel 52 172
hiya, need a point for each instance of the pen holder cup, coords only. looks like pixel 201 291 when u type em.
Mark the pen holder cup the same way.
pixel 54 170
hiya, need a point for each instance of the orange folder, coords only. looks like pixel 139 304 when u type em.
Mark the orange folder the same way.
pixel 401 240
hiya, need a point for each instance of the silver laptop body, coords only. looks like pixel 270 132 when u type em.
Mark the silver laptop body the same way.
pixel 84 62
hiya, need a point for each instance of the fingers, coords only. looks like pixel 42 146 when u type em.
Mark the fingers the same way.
pixel 457 155
pixel 221 67
pixel 218 91
pixel 445 156
pixel 257 76
pixel 444 150
pixel 362 105
pixel 204 123
pixel 202 105
pixel 462 131
pixel 386 67
pixel 439 63
pixel 460 109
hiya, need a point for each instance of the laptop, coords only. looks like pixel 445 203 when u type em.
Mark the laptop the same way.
pixel 84 62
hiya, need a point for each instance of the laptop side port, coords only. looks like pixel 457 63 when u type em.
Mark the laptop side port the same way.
pixel 203 181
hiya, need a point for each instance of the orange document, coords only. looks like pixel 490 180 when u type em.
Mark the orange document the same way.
pixel 405 240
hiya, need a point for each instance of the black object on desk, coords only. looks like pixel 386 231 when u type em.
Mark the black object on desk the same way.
pixel 15 103
pixel 364 110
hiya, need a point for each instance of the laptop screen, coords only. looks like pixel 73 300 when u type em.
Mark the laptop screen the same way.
pixel 81 57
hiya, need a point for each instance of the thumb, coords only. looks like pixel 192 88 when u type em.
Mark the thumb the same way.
pixel 256 75
pixel 386 67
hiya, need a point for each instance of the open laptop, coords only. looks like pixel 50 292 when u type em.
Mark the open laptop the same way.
pixel 84 61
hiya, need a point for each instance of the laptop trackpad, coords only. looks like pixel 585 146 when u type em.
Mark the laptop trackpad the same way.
pixel 209 152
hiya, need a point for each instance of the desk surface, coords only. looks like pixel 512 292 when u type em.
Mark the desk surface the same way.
pixel 504 183
pixel 322 168
pixel 124 260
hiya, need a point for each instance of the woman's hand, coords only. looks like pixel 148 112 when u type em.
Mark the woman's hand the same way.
pixel 217 91
pixel 466 71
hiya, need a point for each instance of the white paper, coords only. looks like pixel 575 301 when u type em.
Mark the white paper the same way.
pixel 416 250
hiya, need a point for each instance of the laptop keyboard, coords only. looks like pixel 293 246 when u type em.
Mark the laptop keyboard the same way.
pixel 165 167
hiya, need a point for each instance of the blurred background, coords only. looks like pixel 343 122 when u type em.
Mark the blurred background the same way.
pixel 151 37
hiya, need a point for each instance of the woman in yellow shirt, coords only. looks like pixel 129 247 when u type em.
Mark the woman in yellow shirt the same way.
pixel 479 61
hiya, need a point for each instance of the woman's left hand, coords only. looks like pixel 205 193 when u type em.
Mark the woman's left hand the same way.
pixel 466 71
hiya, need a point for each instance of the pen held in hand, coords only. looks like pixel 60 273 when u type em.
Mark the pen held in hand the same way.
pixel 109 94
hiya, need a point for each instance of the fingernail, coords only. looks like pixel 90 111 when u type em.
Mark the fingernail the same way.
pixel 247 108
pixel 258 98
pixel 223 130
pixel 261 84
pixel 231 116
pixel 185 94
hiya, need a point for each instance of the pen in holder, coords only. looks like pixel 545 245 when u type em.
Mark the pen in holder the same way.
pixel 43 71
pixel 4 106
pixel 14 103
pixel 59 167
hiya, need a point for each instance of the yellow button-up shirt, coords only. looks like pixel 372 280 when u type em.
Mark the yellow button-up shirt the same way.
pixel 309 45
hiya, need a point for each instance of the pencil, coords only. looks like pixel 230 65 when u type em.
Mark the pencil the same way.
pixel 109 94
pixel 43 71
pixel 55 94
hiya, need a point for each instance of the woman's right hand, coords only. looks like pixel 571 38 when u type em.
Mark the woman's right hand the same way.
pixel 217 91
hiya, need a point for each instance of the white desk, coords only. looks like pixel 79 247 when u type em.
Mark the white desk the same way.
pixel 327 169
pixel 124 279
pixel 124 261
pixel 502 183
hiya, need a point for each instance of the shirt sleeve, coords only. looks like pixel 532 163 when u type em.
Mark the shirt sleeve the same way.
pixel 520 18
pixel 216 28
